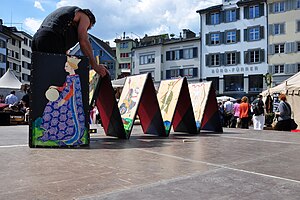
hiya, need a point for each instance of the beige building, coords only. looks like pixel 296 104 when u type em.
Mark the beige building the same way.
pixel 124 56
pixel 284 39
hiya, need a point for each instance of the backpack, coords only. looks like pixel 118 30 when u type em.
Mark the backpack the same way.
pixel 258 108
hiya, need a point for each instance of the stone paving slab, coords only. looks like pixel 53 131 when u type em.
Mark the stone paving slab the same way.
pixel 238 164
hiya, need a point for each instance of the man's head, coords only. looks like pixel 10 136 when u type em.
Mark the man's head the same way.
pixel 90 15
pixel 12 92
pixel 259 96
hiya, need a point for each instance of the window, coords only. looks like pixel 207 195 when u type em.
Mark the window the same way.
pixel 147 59
pixel 175 73
pixel 298 67
pixel 182 54
pixel 254 56
pixel 188 53
pixel 188 72
pixel 124 66
pixel 215 38
pixel 279 7
pixel 2 58
pixel 231 58
pixel 255 83
pixel 254 34
pixel 26 65
pixel 279 48
pixel 123 45
pixel 26 41
pixel 298 26
pixel 231 37
pixel 278 69
pixel 230 15
pixel 298 4
pixel 233 83
pixel 298 46
pixel 2 44
pixel 253 12
pixel 124 55
pixel 25 77
pixel 17 55
pixel 215 18
pixel 215 60
pixel 279 29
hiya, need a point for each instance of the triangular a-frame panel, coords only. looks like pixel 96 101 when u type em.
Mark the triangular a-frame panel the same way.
pixel 184 119
pixel 175 105
pixel 205 107
pixel 108 109
pixel 138 96
pixel 149 112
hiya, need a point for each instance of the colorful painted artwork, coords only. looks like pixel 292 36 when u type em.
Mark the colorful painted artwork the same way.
pixel 130 98
pixel 168 94
pixel 205 107
pixel 199 95
pixel 93 81
pixel 62 121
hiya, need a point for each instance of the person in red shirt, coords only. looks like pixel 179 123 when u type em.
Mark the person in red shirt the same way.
pixel 244 113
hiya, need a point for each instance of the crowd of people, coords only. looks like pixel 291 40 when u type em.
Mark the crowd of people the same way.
pixel 11 103
pixel 242 114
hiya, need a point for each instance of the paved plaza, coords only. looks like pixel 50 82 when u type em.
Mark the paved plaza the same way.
pixel 238 164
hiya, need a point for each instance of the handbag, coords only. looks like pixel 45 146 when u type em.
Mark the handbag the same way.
pixel 294 125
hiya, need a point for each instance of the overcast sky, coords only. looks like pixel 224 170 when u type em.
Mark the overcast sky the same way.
pixel 135 17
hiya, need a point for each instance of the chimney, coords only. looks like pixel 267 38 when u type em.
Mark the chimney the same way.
pixel 124 35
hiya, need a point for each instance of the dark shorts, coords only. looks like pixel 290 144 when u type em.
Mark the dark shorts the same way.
pixel 48 42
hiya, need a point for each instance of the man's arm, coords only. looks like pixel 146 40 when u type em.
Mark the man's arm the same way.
pixel 85 46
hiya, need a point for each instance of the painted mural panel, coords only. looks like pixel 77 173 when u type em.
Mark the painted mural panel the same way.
pixel 168 94
pixel 199 95
pixel 93 81
pixel 59 114
pixel 130 99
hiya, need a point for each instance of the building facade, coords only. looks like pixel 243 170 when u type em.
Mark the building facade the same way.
pixel 284 39
pixel 124 48
pixel 167 58
pixel 14 52
pixel 25 56
pixel 3 52
pixel 233 46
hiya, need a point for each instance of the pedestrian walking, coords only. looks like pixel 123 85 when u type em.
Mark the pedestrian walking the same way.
pixel 244 113
pixel 258 110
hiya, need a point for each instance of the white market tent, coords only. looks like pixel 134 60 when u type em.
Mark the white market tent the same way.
pixel 290 87
pixel 10 82
pixel 225 98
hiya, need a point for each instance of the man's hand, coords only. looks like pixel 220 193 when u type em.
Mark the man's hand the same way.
pixel 101 70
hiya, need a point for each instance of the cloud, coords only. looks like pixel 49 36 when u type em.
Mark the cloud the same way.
pixel 38 5
pixel 32 24
pixel 140 17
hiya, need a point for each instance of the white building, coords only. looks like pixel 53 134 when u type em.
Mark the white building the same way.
pixel 233 46
pixel 168 58
pixel 25 56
